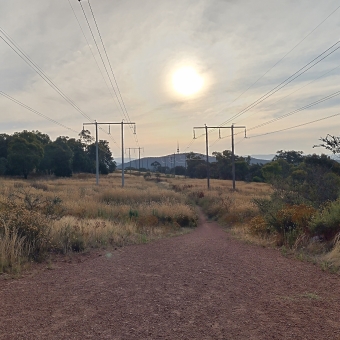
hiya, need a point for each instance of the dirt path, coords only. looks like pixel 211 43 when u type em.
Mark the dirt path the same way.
pixel 203 285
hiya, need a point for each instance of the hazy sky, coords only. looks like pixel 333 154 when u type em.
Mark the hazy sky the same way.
pixel 229 43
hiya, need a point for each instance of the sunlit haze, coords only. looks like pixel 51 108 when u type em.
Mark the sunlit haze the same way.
pixel 186 81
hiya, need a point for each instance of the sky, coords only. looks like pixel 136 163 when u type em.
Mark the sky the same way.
pixel 239 50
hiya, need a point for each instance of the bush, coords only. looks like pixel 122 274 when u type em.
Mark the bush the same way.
pixel 29 225
pixel 289 221
pixel 326 222
pixel 259 226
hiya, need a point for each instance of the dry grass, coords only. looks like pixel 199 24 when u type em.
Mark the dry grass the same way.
pixel 87 215
pixel 235 210
pixel 221 202
pixel 333 257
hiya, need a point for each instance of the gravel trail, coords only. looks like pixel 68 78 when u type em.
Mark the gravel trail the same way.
pixel 202 285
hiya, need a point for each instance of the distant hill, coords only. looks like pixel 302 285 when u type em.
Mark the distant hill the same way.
pixel 258 161
pixel 168 160
pixel 268 157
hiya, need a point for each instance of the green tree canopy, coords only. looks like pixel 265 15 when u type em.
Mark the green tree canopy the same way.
pixel 23 155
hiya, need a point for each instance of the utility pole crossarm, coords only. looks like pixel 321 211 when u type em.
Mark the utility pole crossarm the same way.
pixel 232 127
pixel 97 152
pixel 139 149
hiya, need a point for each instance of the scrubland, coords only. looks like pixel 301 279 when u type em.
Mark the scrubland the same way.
pixel 258 213
pixel 45 216
pixel 41 217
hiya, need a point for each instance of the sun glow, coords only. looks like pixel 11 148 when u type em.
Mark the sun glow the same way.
pixel 187 81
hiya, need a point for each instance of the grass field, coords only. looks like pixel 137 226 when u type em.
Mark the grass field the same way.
pixel 39 217
pixel 62 215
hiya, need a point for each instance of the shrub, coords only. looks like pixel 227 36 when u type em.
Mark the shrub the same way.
pixel 29 225
pixel 258 226
pixel 327 221
pixel 11 250
pixel 289 221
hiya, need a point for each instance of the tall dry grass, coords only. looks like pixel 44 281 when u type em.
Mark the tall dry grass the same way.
pixel 221 202
pixel 81 215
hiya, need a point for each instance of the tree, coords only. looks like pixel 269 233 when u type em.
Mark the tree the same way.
pixel 271 170
pixel 224 165
pixel 156 165
pixel 194 166
pixel 24 156
pixel 3 165
pixel 106 161
pixel 178 170
pixel 4 141
pixel 330 143
pixel 33 136
pixel 58 158
pixel 291 157
pixel 81 161
pixel 85 137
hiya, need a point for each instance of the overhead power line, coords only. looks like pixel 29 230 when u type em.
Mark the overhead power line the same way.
pixel 295 126
pixel 288 80
pixel 291 50
pixel 333 95
pixel 14 46
pixel 88 44
pixel 300 88
pixel 36 112
pixel 117 93
pixel 11 43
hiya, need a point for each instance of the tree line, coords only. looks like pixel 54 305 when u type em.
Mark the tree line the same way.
pixel 292 165
pixel 33 151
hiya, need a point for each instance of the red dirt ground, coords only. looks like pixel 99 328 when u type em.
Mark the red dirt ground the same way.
pixel 203 285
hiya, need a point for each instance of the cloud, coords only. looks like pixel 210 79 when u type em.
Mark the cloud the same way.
pixel 230 43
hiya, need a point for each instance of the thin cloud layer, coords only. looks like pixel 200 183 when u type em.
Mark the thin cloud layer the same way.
pixel 231 44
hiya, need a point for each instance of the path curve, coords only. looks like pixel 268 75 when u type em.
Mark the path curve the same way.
pixel 203 285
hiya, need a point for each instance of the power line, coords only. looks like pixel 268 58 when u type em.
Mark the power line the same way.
pixel 88 44
pixel 14 46
pixel 36 112
pixel 38 70
pixel 119 98
pixel 287 81
pixel 300 88
pixel 283 84
pixel 108 60
pixel 295 126
pixel 335 94
pixel 291 50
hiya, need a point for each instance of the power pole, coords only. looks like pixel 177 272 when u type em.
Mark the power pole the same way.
pixel 175 159
pixel 139 149
pixel 232 127
pixel 206 150
pixel 97 151
pixel 129 159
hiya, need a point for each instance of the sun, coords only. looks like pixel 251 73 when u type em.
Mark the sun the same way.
pixel 187 81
